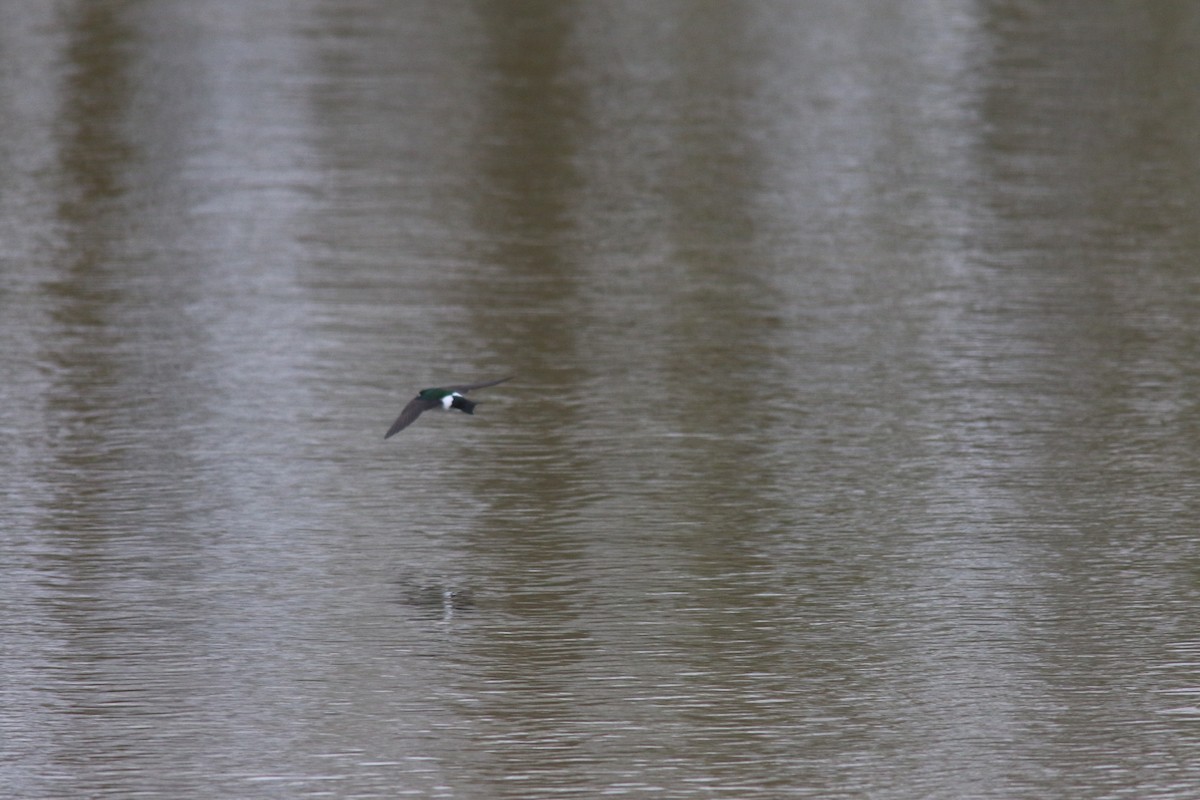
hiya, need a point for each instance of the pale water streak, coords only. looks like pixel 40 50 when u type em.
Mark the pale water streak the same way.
pixel 852 450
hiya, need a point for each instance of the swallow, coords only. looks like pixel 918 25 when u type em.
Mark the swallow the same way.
pixel 439 397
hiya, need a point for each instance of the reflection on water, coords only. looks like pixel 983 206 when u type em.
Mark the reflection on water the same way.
pixel 852 449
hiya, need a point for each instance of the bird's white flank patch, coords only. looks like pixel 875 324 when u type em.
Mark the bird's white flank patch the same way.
pixel 449 399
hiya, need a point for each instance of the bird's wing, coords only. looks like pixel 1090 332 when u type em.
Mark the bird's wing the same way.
pixel 410 413
pixel 468 387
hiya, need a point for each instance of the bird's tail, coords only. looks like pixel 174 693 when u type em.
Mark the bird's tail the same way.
pixel 463 404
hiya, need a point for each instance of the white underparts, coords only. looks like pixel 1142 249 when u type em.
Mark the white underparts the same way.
pixel 449 399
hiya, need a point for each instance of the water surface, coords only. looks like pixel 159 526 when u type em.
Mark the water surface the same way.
pixel 852 450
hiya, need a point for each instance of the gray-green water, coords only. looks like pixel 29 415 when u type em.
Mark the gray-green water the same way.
pixel 854 449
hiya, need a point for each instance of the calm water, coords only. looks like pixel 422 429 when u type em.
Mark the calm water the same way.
pixel 854 449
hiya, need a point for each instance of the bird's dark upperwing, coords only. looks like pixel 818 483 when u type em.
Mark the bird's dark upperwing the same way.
pixel 468 387
pixel 410 413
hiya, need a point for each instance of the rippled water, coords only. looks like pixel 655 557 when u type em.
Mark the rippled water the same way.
pixel 852 450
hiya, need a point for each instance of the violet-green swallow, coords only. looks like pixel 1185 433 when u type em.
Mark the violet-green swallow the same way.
pixel 444 398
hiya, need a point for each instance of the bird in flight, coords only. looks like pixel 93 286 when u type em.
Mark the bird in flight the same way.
pixel 444 398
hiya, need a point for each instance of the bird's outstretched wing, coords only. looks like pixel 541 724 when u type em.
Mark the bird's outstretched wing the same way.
pixel 411 411
pixel 468 387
